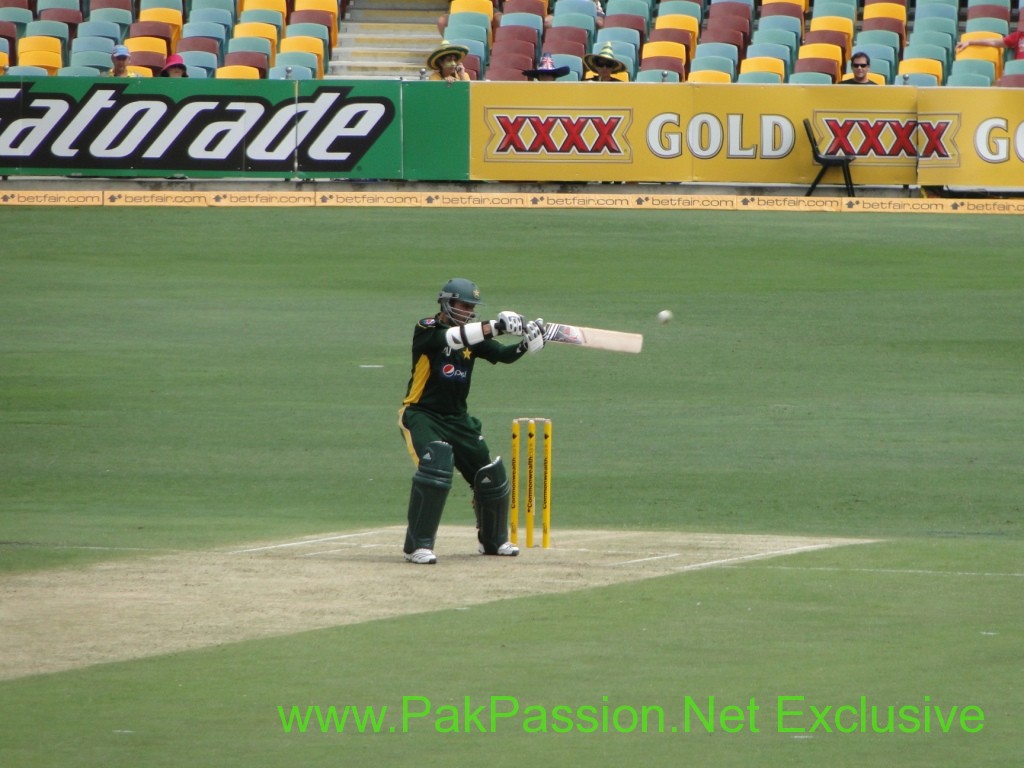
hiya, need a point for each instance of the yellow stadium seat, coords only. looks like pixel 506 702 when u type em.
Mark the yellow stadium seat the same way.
pixel 924 66
pixel 475 6
pixel 39 43
pixel 681 21
pixel 822 51
pixel 140 71
pixel 307 44
pixel 151 44
pixel 665 48
pixel 709 76
pixel 835 24
pixel 48 60
pixel 237 72
pixel 983 52
pixel 764 64
pixel 886 10
pixel 170 16
pixel 281 6
pixel 258 29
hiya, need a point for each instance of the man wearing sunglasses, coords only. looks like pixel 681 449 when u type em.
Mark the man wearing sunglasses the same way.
pixel 860 64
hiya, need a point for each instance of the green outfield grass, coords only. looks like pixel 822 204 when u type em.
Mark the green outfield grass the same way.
pixel 176 380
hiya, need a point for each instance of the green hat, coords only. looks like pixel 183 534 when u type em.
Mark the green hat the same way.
pixel 446 49
pixel 607 54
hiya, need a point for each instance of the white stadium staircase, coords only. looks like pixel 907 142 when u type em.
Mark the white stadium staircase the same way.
pixel 386 39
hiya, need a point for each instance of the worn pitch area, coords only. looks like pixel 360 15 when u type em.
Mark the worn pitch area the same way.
pixel 69 618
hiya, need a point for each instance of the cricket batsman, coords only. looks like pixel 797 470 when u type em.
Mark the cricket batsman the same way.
pixel 440 433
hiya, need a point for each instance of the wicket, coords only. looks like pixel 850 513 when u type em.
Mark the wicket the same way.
pixel 531 481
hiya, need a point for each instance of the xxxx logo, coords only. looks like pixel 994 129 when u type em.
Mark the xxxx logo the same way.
pixel 891 138
pixel 562 135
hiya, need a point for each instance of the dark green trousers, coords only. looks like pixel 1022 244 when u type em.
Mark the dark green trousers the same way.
pixel 462 433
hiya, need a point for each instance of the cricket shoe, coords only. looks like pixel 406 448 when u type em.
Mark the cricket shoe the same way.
pixel 508 549
pixel 421 556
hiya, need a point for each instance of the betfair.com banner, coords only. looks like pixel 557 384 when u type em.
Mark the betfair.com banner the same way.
pixel 536 132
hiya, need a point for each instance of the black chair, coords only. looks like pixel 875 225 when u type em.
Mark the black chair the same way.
pixel 828 161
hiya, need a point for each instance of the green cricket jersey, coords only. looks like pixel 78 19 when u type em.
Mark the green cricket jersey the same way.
pixel 441 376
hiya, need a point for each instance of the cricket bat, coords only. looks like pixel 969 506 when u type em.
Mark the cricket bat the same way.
pixel 597 338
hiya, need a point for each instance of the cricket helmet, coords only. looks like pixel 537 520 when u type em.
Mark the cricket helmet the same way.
pixel 458 289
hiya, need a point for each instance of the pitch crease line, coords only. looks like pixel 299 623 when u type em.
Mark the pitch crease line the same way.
pixel 303 542
pixel 739 559
pixel 647 559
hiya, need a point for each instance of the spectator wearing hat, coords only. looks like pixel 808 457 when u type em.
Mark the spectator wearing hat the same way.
pixel 547 71
pixel 603 67
pixel 446 63
pixel 121 58
pixel 174 67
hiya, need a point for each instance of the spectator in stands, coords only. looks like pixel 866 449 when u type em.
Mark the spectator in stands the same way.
pixel 174 67
pixel 442 20
pixel 602 67
pixel 1014 41
pixel 547 72
pixel 598 22
pixel 860 64
pixel 446 62
pixel 121 58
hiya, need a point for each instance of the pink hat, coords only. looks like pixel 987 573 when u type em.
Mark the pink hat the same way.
pixel 174 60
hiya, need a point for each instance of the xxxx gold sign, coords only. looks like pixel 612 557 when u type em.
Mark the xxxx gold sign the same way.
pixel 566 135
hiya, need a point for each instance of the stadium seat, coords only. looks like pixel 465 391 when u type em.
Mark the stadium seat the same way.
pixel 290 72
pixel 758 77
pixel 19 17
pixel 659 63
pixel 827 67
pixel 770 64
pixel 513 45
pixel 55 29
pixel 657 76
pixel 118 16
pixel 573 62
pixel 533 7
pixel 980 67
pixel 706 62
pixel 226 5
pixel 529 20
pixel 1011 81
pixel 73 71
pixel 201 60
pixel 810 77
pixel 154 29
pixel 919 79
pixel 98 60
pixel 967 80
pixel 152 60
pixel 92 43
pixel 827 161
pixel 316 17
pixel 259 61
pixel 708 76
pixel 25 70
pixel 169 16
pixel 237 72
pixel 48 60
pixel 306 44
pixel 306 29
pixel 504 74
pixel 681 8
pixel 298 59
